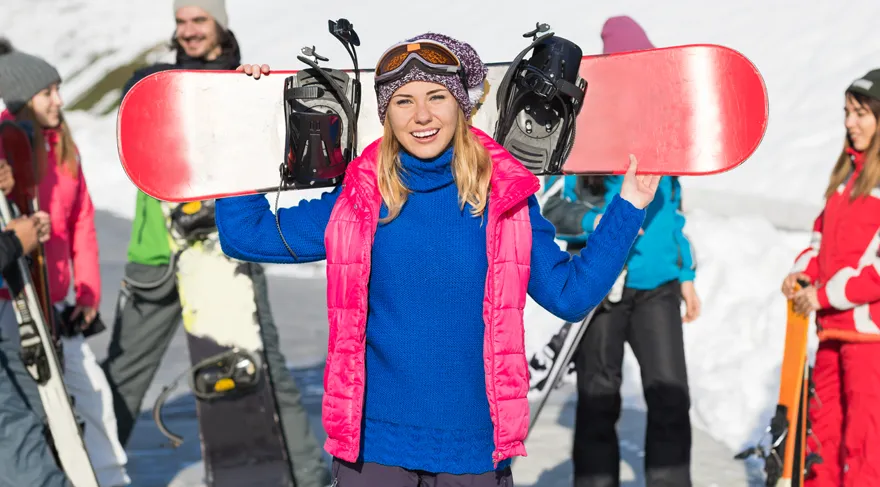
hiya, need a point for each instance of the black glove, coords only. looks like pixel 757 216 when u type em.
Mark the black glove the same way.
pixel 194 220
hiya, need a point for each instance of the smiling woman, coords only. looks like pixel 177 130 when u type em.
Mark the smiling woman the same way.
pixel 432 244
pixel 842 267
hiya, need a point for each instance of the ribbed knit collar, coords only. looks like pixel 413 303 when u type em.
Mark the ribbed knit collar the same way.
pixel 422 175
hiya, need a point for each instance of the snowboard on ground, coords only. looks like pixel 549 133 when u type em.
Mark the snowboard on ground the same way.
pixel 788 459
pixel 685 110
pixel 241 437
pixel 41 350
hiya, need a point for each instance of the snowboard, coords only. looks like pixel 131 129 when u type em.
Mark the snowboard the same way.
pixel 241 438
pixel 684 110
pixel 788 459
pixel 27 285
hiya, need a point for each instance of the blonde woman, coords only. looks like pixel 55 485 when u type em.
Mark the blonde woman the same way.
pixel 432 243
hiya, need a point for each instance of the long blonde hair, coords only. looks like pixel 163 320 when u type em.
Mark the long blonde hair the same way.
pixel 471 169
pixel 869 178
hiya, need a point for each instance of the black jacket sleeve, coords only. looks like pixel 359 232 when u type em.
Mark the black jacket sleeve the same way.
pixel 566 216
pixel 10 249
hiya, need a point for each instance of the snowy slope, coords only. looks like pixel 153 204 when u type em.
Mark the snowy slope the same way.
pixel 807 51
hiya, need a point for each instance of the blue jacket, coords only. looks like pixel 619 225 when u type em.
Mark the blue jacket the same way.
pixel 662 254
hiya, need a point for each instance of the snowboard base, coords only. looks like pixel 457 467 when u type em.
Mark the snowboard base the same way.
pixel 241 436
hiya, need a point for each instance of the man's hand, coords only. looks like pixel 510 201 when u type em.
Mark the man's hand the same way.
pixel 691 301
pixel 254 70
pixel 7 181
pixel 27 231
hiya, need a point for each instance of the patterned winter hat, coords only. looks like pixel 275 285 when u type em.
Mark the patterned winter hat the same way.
pixel 474 68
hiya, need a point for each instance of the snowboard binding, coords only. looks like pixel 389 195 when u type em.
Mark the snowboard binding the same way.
pixel 539 100
pixel 227 375
pixel 321 107
pixel 321 110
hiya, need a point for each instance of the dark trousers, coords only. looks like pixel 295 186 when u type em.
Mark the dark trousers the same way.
pixel 362 474
pixel 650 320
pixel 145 324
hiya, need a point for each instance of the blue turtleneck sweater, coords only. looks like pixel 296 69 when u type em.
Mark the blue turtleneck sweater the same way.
pixel 426 406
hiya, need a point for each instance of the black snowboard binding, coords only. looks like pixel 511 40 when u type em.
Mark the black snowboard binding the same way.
pixel 227 375
pixel 321 107
pixel 539 100
pixel 321 110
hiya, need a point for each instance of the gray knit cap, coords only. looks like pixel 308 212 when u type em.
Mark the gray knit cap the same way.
pixel 467 97
pixel 216 8
pixel 22 76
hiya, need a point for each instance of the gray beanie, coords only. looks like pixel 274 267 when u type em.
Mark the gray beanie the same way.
pixel 22 76
pixel 216 8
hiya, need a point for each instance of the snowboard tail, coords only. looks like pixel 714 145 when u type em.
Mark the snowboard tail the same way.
pixel 685 110
pixel 788 459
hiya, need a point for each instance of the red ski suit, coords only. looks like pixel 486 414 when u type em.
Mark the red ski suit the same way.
pixel 843 262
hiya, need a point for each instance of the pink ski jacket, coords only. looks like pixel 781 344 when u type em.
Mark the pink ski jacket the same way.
pixel 74 241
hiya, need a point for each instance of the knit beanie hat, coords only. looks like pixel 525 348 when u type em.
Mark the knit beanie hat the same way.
pixel 467 97
pixel 868 85
pixel 216 8
pixel 22 76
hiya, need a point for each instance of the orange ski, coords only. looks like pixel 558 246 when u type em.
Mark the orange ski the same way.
pixel 787 460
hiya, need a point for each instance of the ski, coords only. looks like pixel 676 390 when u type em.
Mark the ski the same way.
pixel 788 458
pixel 38 343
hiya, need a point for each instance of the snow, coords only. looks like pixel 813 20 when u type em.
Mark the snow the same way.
pixel 747 225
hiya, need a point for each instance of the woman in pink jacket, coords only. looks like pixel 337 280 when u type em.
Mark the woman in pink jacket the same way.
pixel 432 243
pixel 29 89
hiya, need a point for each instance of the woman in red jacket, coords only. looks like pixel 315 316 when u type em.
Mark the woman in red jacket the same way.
pixel 843 266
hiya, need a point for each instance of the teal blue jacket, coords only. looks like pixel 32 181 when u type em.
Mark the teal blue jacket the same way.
pixel 662 254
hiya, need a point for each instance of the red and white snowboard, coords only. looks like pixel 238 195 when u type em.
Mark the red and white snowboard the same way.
pixel 686 110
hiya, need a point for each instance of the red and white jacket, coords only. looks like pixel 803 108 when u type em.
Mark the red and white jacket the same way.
pixel 843 262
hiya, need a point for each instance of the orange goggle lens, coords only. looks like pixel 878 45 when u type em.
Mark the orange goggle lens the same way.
pixel 430 53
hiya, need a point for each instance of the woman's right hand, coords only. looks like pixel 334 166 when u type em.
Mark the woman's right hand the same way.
pixel 255 70
pixel 790 281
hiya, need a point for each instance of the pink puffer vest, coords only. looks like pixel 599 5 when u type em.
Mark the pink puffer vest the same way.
pixel 349 240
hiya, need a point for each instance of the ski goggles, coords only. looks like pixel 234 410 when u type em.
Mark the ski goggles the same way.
pixel 432 57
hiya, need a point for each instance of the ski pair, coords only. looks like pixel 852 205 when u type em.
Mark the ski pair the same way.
pixel 788 459
pixel 40 346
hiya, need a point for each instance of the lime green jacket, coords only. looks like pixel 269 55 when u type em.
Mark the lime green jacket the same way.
pixel 149 243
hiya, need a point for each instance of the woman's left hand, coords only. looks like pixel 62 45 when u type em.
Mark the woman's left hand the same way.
pixel 88 313
pixel 638 190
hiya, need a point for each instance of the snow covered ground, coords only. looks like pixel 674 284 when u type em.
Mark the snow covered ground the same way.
pixel 747 225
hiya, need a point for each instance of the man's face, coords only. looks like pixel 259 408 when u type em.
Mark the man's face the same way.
pixel 196 31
